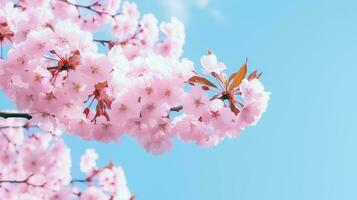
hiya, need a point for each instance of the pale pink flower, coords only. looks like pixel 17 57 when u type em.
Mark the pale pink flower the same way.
pixel 88 161
pixel 170 91
pixel 111 6
pixel 123 27
pixel 196 102
pixel 121 184
pixel 106 180
pixel 8 155
pixel 250 114
pixel 253 90
pixel 131 10
pixel 93 193
pixel 34 161
pixel 64 10
pixel 64 194
pixel 165 48
pixel 211 64
pixel 126 107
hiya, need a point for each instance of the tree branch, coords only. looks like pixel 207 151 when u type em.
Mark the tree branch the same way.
pixel 176 109
pixel 79 181
pixel 89 7
pixel 103 42
pixel 6 115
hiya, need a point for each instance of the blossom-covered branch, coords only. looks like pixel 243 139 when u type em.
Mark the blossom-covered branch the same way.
pixel 37 166
pixel 55 72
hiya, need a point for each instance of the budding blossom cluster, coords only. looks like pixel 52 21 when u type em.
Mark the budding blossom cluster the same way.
pixel 36 165
pixel 55 72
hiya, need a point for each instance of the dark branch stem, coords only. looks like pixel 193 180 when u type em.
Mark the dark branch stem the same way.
pixel 89 7
pixel 79 181
pixel 14 181
pixel 176 109
pixel 26 126
pixel 27 179
pixel 8 181
pixel 52 68
pixel 103 42
pixel 6 115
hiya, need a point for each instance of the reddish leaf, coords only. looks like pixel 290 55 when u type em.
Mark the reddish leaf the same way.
pixel 5 32
pixel 101 85
pixel 86 112
pixel 76 52
pixel 233 107
pixel 202 81
pixel 259 75
pixel 106 116
pixel 236 79
pixel 205 88
pixel 48 25
pixel 253 75
pixel 220 79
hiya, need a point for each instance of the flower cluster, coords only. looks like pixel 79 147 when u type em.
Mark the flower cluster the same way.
pixel 55 72
pixel 36 164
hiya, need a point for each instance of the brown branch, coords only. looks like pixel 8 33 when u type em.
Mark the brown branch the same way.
pixel 8 181
pixel 176 109
pixel 89 7
pixel 102 41
pixel 79 181
pixel 26 181
pixel 6 115
pixel 26 126
pixel 20 6
pixel 52 68
pixel 12 181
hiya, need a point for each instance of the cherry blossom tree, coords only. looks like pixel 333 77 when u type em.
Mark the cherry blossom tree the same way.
pixel 36 164
pixel 60 80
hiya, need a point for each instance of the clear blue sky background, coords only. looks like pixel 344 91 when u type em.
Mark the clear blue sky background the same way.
pixel 305 146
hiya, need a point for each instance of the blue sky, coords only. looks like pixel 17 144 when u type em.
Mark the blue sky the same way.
pixel 305 146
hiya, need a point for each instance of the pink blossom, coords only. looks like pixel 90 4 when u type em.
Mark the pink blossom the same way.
pixel 121 184
pixel 93 193
pixel 211 64
pixel 135 83
pixel 34 161
pixel 123 27
pixel 39 168
pixel 106 180
pixel 165 48
pixel 88 161
pixel 196 102
pixel 63 194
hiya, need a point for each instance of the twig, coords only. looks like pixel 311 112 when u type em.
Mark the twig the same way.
pixel 6 115
pixel 89 7
pixel 176 109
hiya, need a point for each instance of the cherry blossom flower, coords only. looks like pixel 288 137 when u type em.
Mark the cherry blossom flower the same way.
pixel 211 64
pixel 88 161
